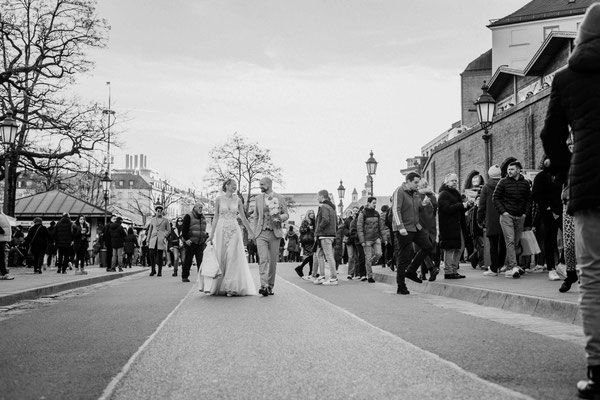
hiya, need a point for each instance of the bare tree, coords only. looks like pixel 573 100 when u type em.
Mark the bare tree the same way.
pixel 43 46
pixel 243 161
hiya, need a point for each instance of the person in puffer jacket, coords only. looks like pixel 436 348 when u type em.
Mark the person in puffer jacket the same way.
pixel 575 103
pixel 372 232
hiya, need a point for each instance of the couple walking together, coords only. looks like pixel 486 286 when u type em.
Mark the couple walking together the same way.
pixel 231 275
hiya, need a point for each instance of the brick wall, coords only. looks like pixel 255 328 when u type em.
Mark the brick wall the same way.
pixel 515 133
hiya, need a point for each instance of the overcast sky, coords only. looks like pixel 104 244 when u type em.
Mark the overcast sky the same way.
pixel 320 83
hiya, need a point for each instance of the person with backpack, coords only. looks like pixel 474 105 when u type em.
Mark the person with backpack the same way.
pixel 372 233
pixel 307 241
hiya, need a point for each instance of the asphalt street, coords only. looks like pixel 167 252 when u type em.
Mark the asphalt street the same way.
pixel 146 338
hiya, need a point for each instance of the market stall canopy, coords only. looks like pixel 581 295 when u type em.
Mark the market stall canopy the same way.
pixel 52 205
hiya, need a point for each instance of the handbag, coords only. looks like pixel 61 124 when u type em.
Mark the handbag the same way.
pixel 29 251
pixel 529 244
pixel 210 265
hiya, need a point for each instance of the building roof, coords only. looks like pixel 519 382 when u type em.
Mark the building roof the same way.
pixel 481 63
pixel 138 181
pixel 53 204
pixel 544 9
pixel 545 55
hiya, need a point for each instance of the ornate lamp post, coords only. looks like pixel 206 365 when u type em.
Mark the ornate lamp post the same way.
pixel 8 131
pixel 486 108
pixel 106 187
pixel 341 193
pixel 371 169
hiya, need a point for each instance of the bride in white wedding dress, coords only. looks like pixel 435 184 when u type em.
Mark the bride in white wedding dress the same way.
pixel 233 277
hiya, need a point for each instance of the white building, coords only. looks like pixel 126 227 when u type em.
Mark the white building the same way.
pixel 516 37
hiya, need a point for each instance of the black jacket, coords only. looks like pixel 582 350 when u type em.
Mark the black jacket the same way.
pixel 575 102
pixel 37 238
pixel 451 218
pixel 64 232
pixel 512 196
pixel 117 235
pixel 487 215
pixel 546 192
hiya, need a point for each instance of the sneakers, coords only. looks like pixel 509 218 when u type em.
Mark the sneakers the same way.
pixel 561 270
pixel 537 269
pixel 349 277
pixel 512 273
pixel 263 291
pixel 489 272
pixel 331 282
pixel 83 272
pixel 7 277
pixel 433 274
pixel 504 269
pixel 371 280
pixel 363 278
pixel 553 276
pixel 319 280
pixel 454 275
pixel 307 278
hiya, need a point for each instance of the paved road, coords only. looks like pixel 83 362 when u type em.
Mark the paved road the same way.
pixel 144 338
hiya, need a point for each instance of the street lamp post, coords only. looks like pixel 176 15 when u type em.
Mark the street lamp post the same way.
pixel 341 193
pixel 486 108
pixel 106 188
pixel 371 170
pixel 8 131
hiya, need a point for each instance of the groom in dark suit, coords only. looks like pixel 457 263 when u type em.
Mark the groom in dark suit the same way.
pixel 270 212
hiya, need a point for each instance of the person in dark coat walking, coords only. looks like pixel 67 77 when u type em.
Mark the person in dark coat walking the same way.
pixel 37 242
pixel 546 192
pixel 81 242
pixel 452 220
pixel 64 235
pixel 293 245
pixel 117 243
pixel 307 240
pixel 489 219
pixel 107 243
pixel 574 103
pixel 129 246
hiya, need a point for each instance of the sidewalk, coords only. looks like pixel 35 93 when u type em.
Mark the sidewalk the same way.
pixel 27 285
pixel 532 294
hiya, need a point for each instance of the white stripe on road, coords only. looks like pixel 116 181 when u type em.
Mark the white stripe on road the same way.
pixel 110 389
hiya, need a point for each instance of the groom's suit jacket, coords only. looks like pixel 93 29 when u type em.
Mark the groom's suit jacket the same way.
pixel 259 210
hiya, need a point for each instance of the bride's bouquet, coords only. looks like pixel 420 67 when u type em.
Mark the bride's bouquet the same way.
pixel 274 208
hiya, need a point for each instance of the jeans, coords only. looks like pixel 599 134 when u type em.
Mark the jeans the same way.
pixel 117 258
pixel 191 251
pixel 156 258
pixel 326 257
pixel 63 258
pixel 451 260
pixel 587 249
pixel 403 251
pixel 351 259
pixel 372 255
pixel 512 228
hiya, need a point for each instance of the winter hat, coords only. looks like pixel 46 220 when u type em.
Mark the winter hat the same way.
pixel 590 27
pixel 494 171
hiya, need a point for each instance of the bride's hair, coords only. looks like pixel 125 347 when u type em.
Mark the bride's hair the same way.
pixel 227 182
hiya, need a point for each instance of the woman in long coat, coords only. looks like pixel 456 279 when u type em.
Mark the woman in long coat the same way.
pixel 37 242
pixel 452 222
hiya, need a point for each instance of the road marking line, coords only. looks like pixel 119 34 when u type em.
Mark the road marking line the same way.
pixel 110 389
pixel 450 364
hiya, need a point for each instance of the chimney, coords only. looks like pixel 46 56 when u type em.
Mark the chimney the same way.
pixel 126 161
pixel 136 161
pixel 145 161
pixel 131 162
